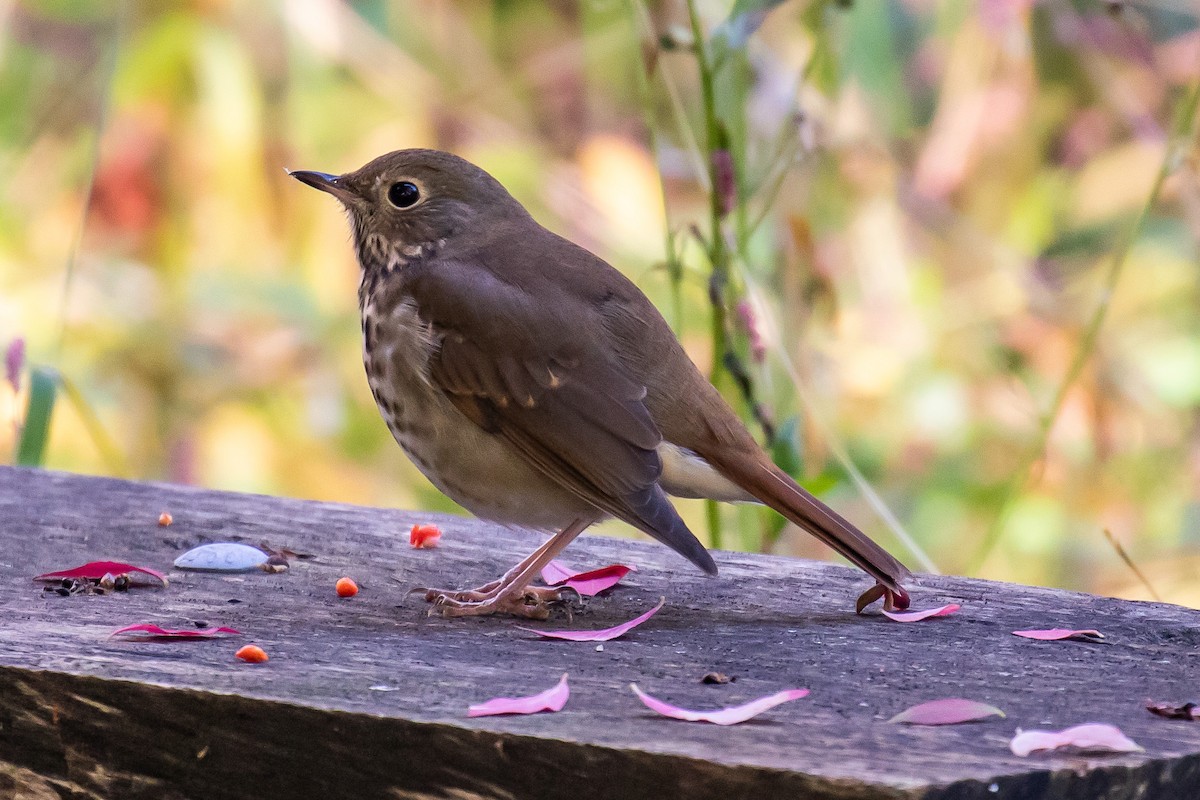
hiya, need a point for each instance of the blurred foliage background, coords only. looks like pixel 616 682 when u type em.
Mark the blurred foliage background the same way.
pixel 956 260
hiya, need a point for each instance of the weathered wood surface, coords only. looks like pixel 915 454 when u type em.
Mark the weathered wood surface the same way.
pixel 85 716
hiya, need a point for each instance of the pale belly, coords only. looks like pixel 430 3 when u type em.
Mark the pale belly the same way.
pixel 477 470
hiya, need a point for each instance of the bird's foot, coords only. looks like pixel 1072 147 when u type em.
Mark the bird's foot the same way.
pixel 532 602
pixel 485 592
pixel 892 600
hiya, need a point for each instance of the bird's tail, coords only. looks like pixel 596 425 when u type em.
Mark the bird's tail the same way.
pixel 755 473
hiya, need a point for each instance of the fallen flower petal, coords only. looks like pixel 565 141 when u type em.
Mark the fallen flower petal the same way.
pixel 589 583
pixel 424 537
pixel 95 570
pixel 950 711
pixel 557 572
pixel 252 654
pixel 1054 634
pixel 1172 711
pixel 602 635
pixel 148 631
pixel 723 716
pixel 917 616
pixel 1093 737
pixel 549 700
pixel 597 583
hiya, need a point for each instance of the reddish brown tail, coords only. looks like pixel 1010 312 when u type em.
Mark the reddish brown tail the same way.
pixel 755 473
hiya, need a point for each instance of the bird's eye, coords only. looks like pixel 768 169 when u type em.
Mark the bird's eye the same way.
pixel 403 194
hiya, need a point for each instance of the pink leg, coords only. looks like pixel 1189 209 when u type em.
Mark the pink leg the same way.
pixel 511 594
pixel 491 588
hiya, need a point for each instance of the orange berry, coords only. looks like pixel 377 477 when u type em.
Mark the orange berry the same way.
pixel 346 587
pixel 165 519
pixel 252 653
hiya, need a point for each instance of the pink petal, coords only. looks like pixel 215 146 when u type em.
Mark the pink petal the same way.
pixel 148 631
pixel 1054 634
pixel 917 616
pixel 723 716
pixel 588 583
pixel 598 636
pixel 950 711
pixel 96 570
pixel 557 572
pixel 424 537
pixel 549 700
pixel 590 587
pixel 1092 737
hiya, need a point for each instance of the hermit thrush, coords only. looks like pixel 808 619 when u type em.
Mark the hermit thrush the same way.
pixel 534 384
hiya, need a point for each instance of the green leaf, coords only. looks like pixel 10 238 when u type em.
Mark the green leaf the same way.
pixel 43 387
pixel 1088 241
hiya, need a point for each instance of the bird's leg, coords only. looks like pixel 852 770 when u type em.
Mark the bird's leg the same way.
pixel 512 594
pixel 489 589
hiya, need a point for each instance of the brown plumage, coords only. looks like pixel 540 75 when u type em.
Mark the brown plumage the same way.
pixel 534 384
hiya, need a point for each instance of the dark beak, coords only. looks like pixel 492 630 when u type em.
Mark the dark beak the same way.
pixel 325 182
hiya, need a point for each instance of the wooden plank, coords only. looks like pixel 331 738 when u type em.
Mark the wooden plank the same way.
pixel 82 715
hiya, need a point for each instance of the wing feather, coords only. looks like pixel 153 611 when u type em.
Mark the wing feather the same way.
pixel 549 385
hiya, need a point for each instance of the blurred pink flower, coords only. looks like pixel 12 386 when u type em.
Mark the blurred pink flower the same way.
pixel 14 360
pixel 1000 16
pixel 749 321
pixel 724 183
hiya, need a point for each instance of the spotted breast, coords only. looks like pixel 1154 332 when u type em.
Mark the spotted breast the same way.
pixel 463 461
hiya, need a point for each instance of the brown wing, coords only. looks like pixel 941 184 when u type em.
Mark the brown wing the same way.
pixel 537 373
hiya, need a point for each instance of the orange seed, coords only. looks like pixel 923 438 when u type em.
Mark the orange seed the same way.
pixel 346 587
pixel 252 653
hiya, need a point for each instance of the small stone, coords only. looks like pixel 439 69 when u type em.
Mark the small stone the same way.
pixel 222 557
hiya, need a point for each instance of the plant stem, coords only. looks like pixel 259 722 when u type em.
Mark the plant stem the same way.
pixel 718 252
pixel 674 268
pixel 109 72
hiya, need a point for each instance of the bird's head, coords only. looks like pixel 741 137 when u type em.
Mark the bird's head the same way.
pixel 410 203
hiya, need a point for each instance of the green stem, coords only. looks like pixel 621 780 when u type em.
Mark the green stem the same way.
pixel 110 72
pixel 113 459
pixel 718 252
pixel 674 269
pixel 1181 133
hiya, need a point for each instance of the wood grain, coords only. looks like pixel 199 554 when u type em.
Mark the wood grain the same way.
pixel 86 716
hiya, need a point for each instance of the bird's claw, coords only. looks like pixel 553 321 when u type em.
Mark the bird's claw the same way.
pixel 464 596
pixel 533 602
pixel 892 601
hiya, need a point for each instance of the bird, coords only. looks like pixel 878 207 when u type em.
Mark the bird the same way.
pixel 536 385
